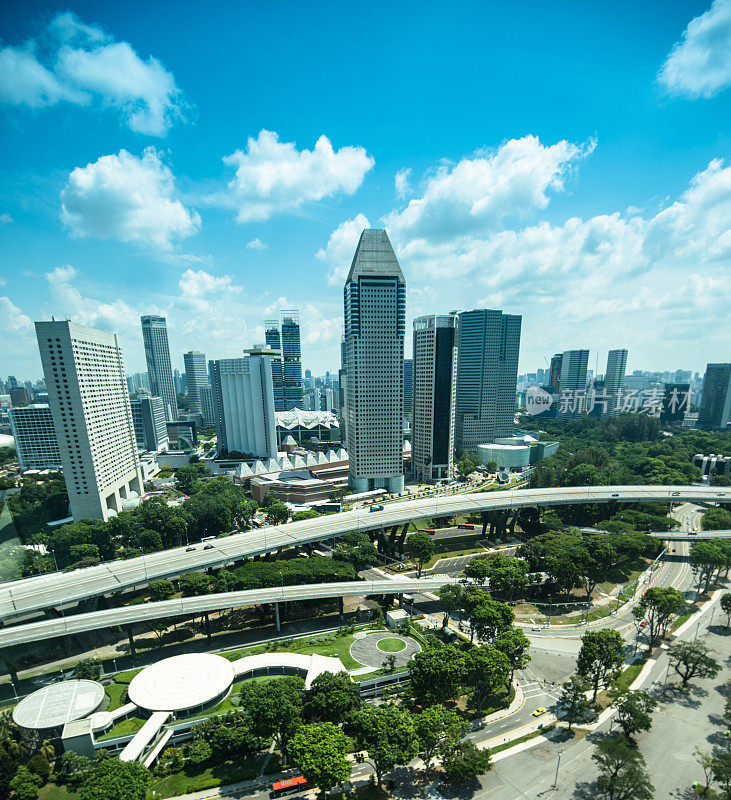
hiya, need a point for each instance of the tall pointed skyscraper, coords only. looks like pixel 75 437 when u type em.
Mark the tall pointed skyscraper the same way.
pixel 291 359
pixel 157 353
pixel 375 325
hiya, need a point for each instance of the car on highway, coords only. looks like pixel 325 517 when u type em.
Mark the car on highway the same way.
pixel 207 547
pixel 720 494
pixel 189 549
pixel 643 623
pixel 616 494
pixel 540 711
pixel 675 494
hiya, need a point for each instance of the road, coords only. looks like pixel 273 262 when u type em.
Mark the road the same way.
pixel 54 589
pixel 126 615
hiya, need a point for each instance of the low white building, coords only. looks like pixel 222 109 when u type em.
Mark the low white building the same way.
pixel 35 437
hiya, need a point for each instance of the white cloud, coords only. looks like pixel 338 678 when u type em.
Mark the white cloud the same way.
pixel 13 320
pixel 274 177
pixel 401 182
pixel 80 64
pixel 62 274
pixel 197 284
pixel 127 198
pixel 5 219
pixel 339 251
pixel 256 244
pixel 480 192
pixel 700 63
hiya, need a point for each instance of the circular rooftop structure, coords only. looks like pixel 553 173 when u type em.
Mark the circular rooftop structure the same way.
pixel 55 705
pixel 182 683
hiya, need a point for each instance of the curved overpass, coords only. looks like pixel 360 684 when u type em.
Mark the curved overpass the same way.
pixel 126 615
pixel 33 594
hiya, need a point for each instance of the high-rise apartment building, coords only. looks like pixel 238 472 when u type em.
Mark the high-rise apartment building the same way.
pixel 487 372
pixel 375 326
pixel 675 403
pixel 148 418
pixel 435 382
pixel 408 389
pixel 35 437
pixel 196 377
pixel 291 359
pixel 20 396
pixel 157 353
pixel 715 410
pixel 87 393
pixel 614 379
pixel 243 397
pixel 207 405
pixel 572 383
pixel 554 371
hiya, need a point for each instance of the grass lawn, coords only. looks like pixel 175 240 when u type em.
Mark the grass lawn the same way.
pixel 391 645
pixel 115 693
pixel 123 728
pixel 628 675
pixel 340 648
pixel 197 777
pixel 52 791
pixel 521 739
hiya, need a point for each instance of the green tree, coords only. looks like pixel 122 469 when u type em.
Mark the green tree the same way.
pixel 490 619
pixel 193 584
pixel 420 547
pixel 161 590
pixel 357 548
pixel 25 784
pixel 439 731
pixel 477 570
pixel 331 697
pixel 277 513
pixel 471 598
pixel 88 669
pixel 658 606
pixel 487 670
pixel 601 656
pixel 387 734
pixel 622 774
pixel 198 751
pixel 721 768
pixel 465 762
pixel 706 558
pixel 693 659
pixel 634 710
pixel 716 519
pixel 112 779
pixel 437 674
pixel 726 607
pixel 275 708
pixel 318 750
pixel 515 644
pixel 572 699
pixel 507 576
pixel 449 600
pixel 186 478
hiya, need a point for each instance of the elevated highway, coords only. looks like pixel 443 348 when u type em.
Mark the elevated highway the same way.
pixel 57 589
pixel 126 615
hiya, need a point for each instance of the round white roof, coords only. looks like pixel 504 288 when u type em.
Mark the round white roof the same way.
pixel 181 682
pixel 55 705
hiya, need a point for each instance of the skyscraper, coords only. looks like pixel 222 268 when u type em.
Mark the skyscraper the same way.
pixel 487 373
pixel 196 377
pixel 157 353
pixel 148 417
pixel 435 373
pixel 243 399
pixel 274 340
pixel 408 389
pixel 375 325
pixel 614 378
pixel 572 383
pixel 35 437
pixel 715 410
pixel 291 359
pixel 87 393
pixel 554 371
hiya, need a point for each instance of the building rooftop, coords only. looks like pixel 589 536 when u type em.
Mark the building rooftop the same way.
pixel 55 705
pixel 298 417
pixel 374 255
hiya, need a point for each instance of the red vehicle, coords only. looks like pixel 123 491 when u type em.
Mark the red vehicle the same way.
pixel 430 531
pixel 289 786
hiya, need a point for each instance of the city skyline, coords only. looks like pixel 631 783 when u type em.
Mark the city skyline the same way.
pixel 552 202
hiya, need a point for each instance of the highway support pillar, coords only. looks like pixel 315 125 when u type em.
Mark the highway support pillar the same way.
pixel 12 669
pixel 485 521
pixel 277 623
pixel 131 638
pixel 341 609
pixel 394 533
pixel 208 625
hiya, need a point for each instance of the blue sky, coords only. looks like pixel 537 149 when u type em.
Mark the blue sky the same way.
pixel 565 161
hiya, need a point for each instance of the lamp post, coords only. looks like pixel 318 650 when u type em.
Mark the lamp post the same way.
pixel 558 764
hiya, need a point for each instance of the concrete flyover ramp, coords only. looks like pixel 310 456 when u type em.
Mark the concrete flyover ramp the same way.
pixel 78 623
pixel 57 589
